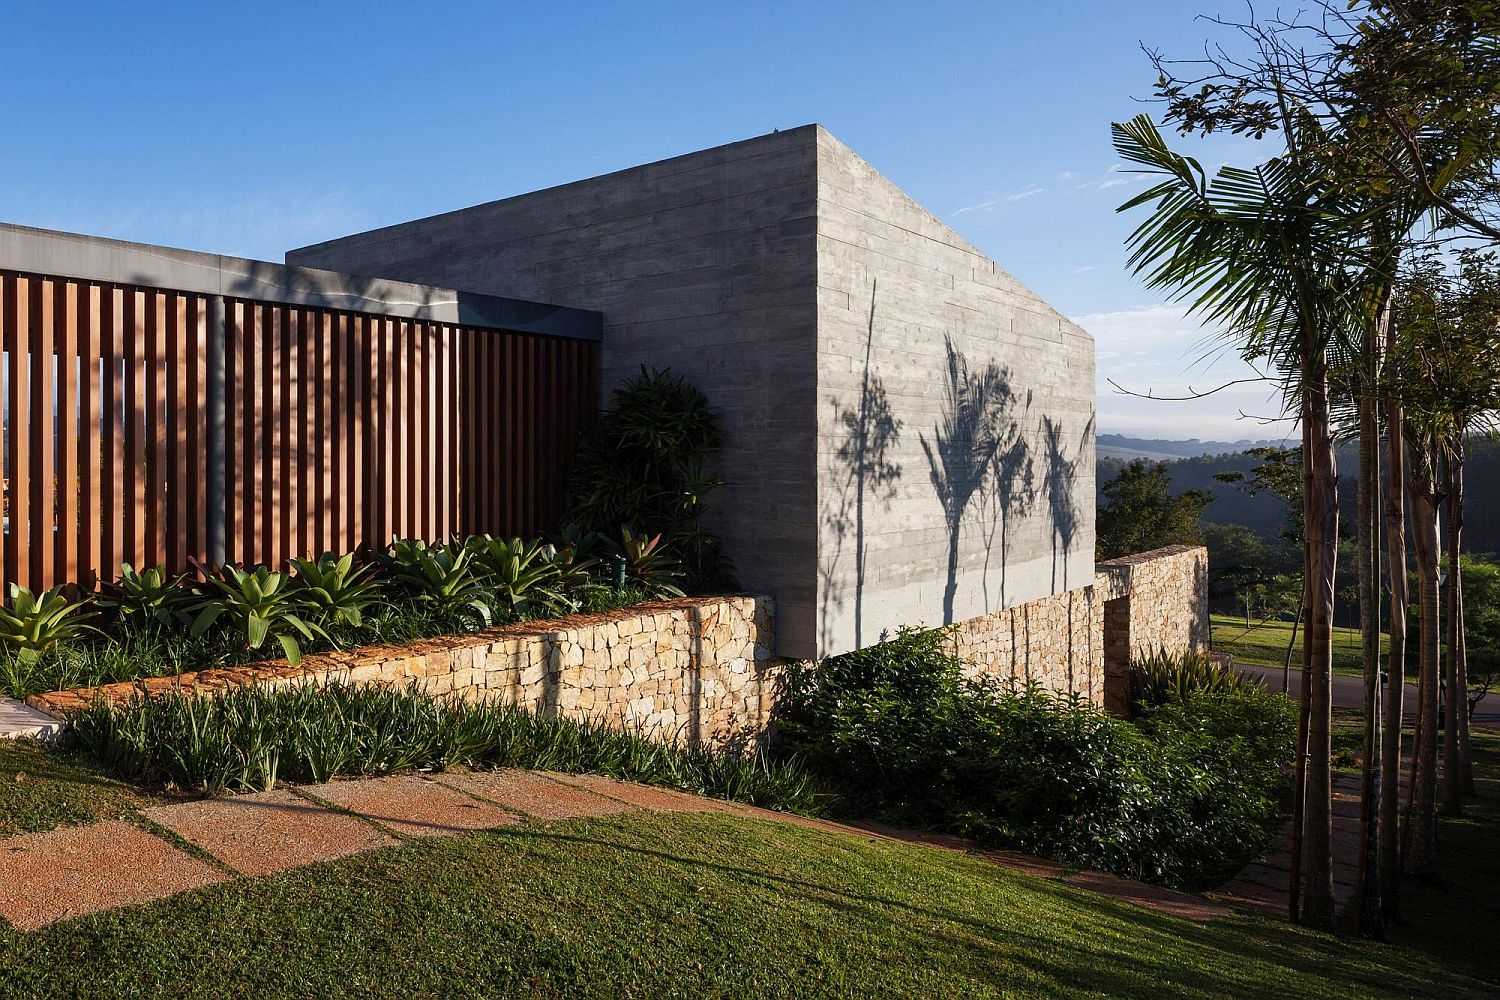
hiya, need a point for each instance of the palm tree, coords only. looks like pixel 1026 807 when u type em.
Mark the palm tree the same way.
pixel 1272 254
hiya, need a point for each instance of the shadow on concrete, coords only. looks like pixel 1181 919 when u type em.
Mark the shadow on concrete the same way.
pixel 864 472
pixel 977 451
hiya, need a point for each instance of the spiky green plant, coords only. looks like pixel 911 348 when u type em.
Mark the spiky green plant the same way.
pixel 650 565
pixel 258 605
pixel 31 624
pixel 146 597
pixel 444 577
pixel 522 574
pixel 335 591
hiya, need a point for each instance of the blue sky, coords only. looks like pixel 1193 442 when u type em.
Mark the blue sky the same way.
pixel 253 128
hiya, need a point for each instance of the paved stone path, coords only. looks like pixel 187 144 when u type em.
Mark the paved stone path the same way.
pixel 18 719
pixel 1265 884
pixel 72 871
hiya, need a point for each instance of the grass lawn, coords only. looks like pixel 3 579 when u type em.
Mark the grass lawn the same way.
pixel 710 906
pixel 42 788
pixel 1265 643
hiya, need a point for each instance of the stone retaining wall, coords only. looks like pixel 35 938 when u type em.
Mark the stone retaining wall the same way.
pixel 703 670
pixel 1151 601
pixel 696 669
pixel 1054 642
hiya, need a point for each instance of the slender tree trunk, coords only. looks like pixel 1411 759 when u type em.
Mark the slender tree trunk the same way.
pixel 1369 623
pixel 1390 748
pixel 1421 832
pixel 1299 787
pixel 1321 521
pixel 1286 666
pixel 1455 719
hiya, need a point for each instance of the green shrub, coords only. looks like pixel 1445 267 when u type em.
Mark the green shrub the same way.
pixel 900 733
pixel 645 465
pixel 250 739
pixel 1161 678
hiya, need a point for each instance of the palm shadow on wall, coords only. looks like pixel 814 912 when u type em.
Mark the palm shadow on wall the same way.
pixel 1067 514
pixel 864 471
pixel 977 456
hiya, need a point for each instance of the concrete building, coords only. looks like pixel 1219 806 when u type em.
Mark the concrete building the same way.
pixel 910 430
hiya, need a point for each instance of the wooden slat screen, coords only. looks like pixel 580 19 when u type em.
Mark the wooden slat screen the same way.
pixel 341 429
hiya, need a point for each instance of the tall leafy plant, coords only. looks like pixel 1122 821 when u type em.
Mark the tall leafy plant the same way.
pixel 648 465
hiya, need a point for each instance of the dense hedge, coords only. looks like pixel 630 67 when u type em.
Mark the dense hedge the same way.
pixel 1183 797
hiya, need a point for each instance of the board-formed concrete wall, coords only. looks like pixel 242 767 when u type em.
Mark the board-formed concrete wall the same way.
pixel 703 263
pixel 955 422
pixel 842 330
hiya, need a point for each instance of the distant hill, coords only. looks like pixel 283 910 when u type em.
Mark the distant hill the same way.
pixel 1164 450
pixel 1264 514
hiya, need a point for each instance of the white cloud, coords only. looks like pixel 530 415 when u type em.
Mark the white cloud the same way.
pixel 994 199
pixel 1116 176
pixel 1159 351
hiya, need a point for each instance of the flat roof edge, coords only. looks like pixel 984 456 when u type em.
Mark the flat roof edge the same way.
pixel 96 258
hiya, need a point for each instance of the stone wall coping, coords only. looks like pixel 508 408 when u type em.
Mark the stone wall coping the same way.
pixel 1137 558
pixel 59 703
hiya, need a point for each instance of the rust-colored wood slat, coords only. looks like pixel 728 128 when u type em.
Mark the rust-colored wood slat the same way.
pixel 196 439
pixel 111 472
pixel 374 434
pixel 153 432
pixel 416 432
pixel 66 534
pixel 267 422
pixel 355 365
pixel 91 570
pixel 18 553
pixel 395 428
pixel 332 535
pixel 11 295
pixel 294 434
pixel 238 445
pixel 170 419
pixel 40 420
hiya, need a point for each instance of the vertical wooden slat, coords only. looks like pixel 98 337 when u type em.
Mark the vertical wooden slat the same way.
pixel 455 432
pixel 153 430
pixel 43 464
pixel 175 460
pixel 249 435
pixel 268 424
pixel 469 415
pixel 89 514
pixel 400 428
pixel 355 366
pixel 376 463
pixel 418 471
pixel 329 411
pixel 66 534
pixel 293 433
pixel 234 428
pixel 194 443
pixel 18 345
pixel 111 465
pixel 442 447
pixel 390 419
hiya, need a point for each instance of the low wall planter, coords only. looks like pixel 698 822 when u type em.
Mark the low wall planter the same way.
pixel 698 669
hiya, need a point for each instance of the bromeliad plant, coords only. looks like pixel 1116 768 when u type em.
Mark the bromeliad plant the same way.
pixel 334 591
pixel 522 574
pixel 146 598
pixel 32 624
pixel 443 577
pixel 258 605
pixel 649 565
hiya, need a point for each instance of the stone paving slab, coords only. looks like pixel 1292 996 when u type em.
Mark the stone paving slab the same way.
pixel 414 806
pixel 268 831
pixel 534 794
pixel 72 871
pixel 19 720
